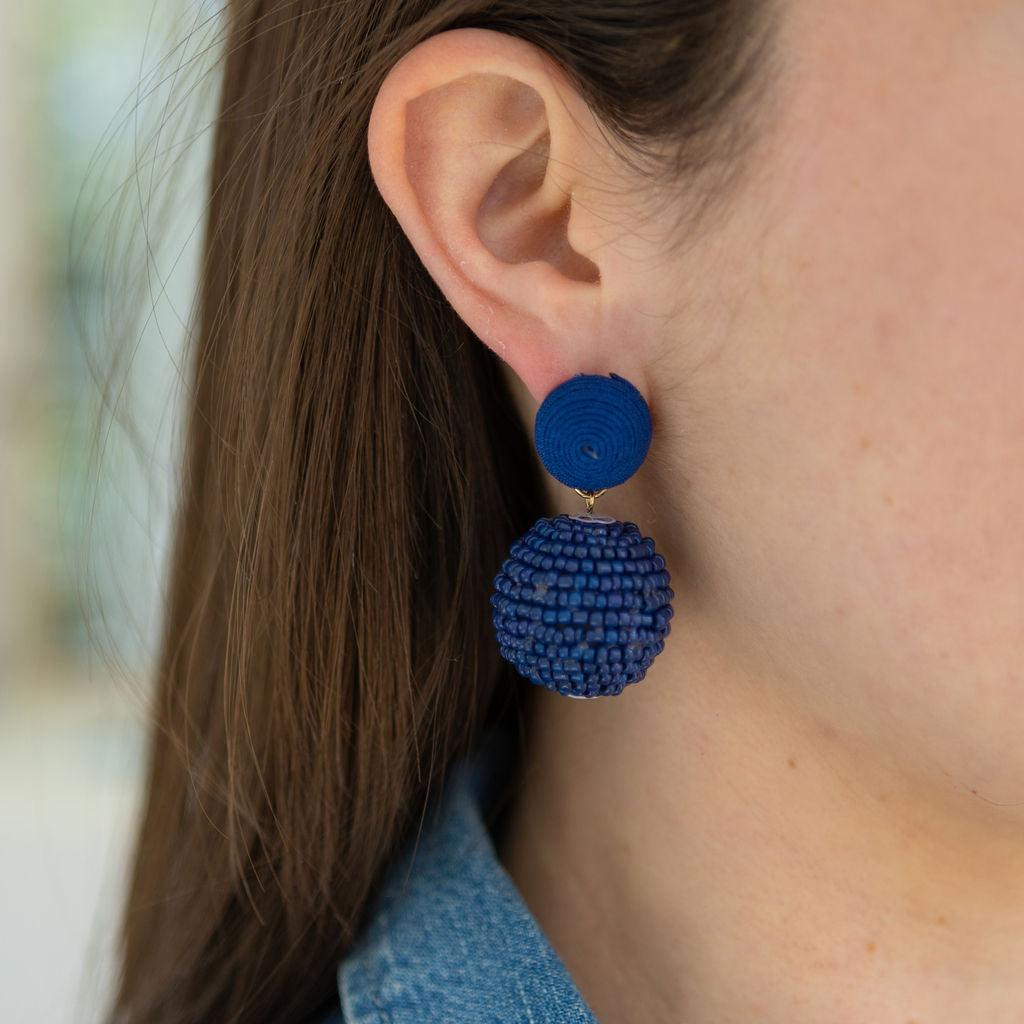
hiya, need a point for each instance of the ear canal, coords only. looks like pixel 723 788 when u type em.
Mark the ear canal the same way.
pixel 515 234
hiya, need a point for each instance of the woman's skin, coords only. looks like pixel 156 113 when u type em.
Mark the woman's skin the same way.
pixel 812 809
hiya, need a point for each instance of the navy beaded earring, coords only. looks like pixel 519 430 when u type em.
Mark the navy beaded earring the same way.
pixel 582 604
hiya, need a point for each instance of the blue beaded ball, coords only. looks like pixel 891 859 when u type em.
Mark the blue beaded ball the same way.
pixel 582 605
pixel 592 432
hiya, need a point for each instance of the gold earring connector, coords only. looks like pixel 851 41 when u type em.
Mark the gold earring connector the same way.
pixel 589 497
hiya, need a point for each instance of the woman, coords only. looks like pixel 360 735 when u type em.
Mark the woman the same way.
pixel 796 228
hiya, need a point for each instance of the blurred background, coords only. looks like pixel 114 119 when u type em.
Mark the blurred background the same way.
pixel 104 131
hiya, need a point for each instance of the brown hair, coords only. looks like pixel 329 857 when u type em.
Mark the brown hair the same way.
pixel 354 474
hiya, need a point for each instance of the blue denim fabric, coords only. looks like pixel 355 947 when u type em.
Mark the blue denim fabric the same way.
pixel 450 940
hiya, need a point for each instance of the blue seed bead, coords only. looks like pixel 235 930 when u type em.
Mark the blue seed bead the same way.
pixel 582 605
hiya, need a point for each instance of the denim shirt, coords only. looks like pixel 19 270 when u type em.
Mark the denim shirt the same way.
pixel 450 940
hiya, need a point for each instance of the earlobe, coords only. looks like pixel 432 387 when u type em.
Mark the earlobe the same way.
pixel 478 145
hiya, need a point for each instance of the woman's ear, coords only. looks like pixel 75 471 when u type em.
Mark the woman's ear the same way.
pixel 499 175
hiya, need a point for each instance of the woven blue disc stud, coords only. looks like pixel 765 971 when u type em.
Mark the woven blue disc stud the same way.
pixel 593 432
pixel 582 603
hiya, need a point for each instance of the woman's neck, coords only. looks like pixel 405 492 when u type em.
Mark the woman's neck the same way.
pixel 713 860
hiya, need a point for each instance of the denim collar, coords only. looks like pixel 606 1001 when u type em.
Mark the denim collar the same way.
pixel 450 939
